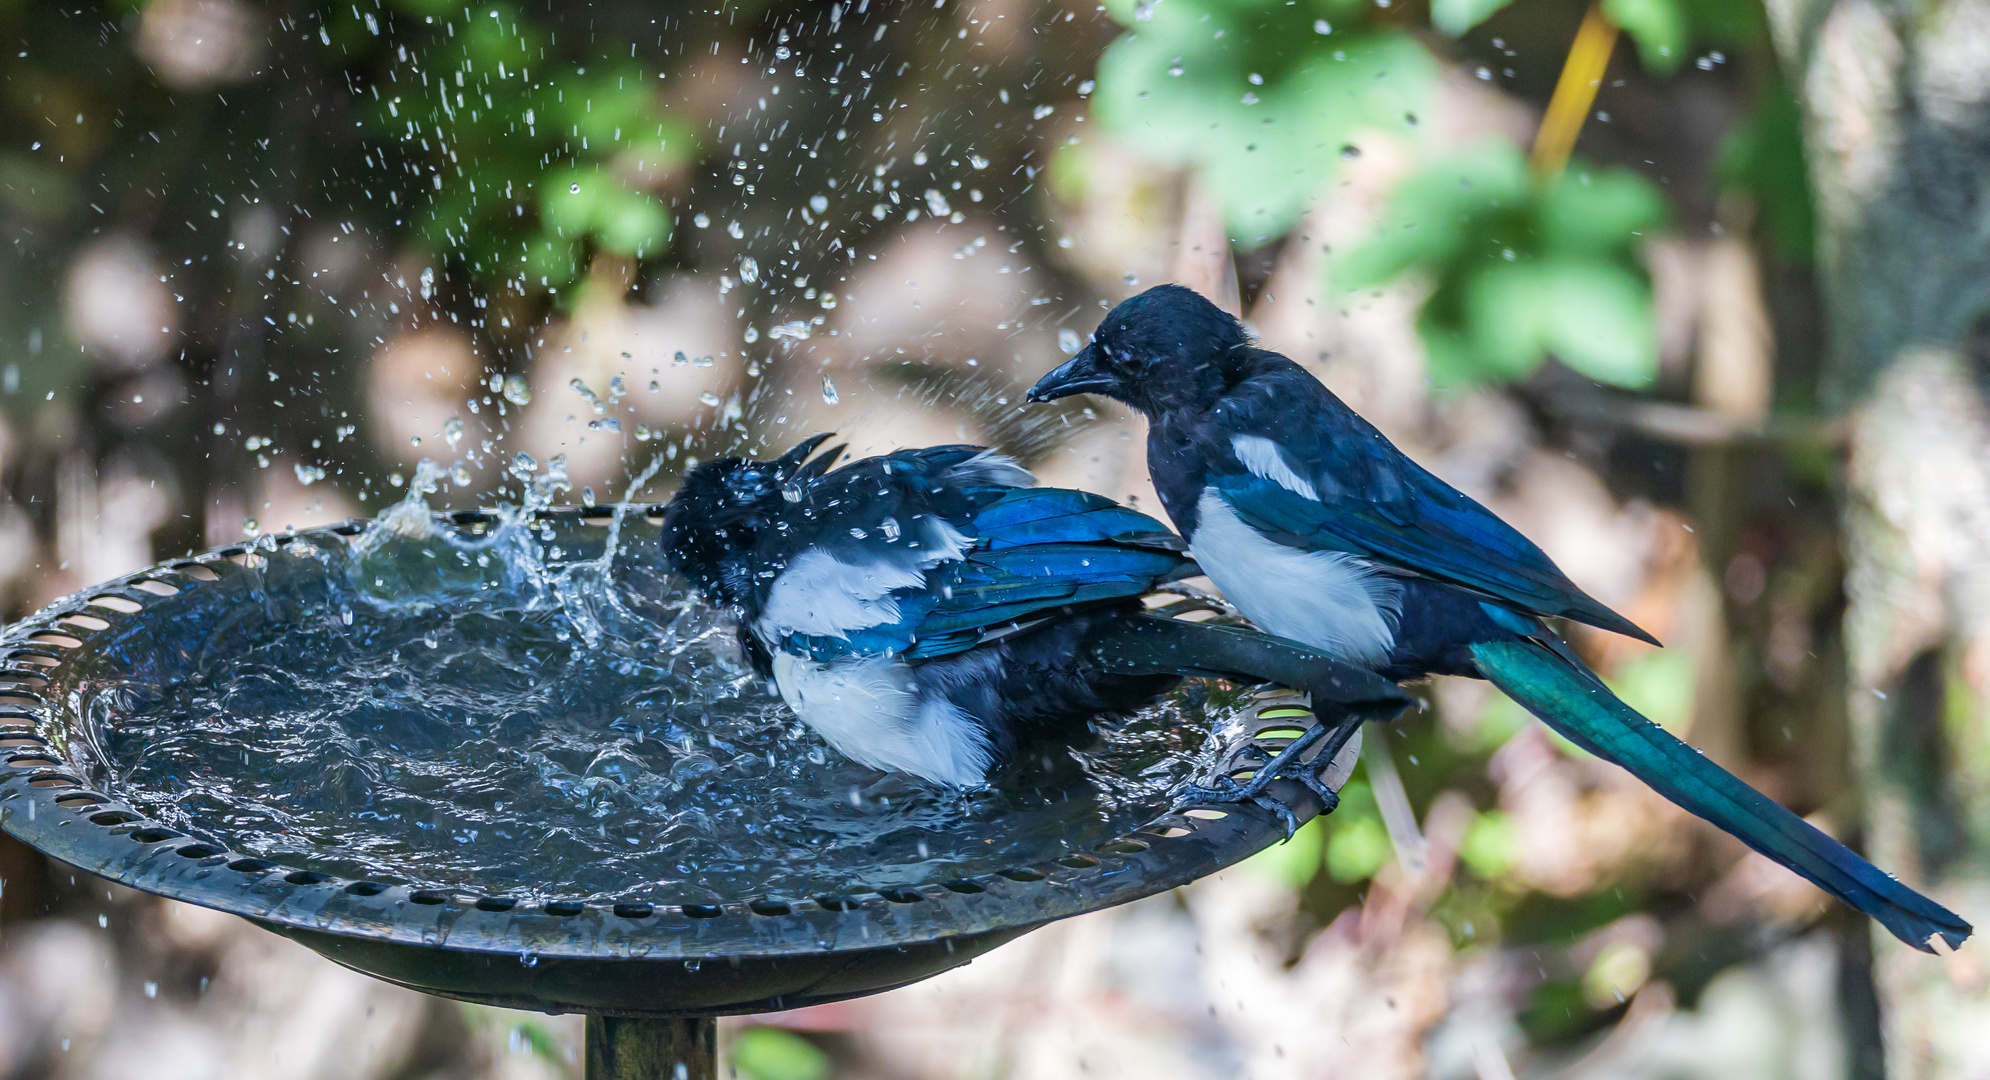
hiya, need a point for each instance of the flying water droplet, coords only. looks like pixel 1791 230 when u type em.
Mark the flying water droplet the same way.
pixel 749 269
pixel 452 431
pixel 937 203
pixel 1068 340
pixel 516 390
pixel 607 423
pixel 309 474
pixel 818 203
pixel 829 391
pixel 734 230
pixel 1320 26
pixel 573 188
pixel 709 399
pixel 250 527
pixel 587 395
pixel 1143 11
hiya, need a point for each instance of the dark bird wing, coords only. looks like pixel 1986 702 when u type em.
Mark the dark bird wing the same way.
pixel 1041 552
pixel 1321 478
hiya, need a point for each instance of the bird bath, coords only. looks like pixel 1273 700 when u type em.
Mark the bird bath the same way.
pixel 473 757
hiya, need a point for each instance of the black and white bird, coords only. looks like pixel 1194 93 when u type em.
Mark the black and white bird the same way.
pixel 1321 530
pixel 930 612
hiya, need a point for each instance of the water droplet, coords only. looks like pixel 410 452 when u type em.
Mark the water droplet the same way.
pixel 1132 279
pixel 1250 98
pixel 749 268
pixel 1042 111
pixel 1175 67
pixel 523 466
pixel 452 431
pixel 937 203
pixel 710 399
pixel 977 161
pixel 889 527
pixel 734 230
pixel 1350 152
pixel 516 391
pixel 459 474
pixel 1254 79
pixel 829 391
pixel 703 221
pixel 752 334
pixel 818 203
pixel 1068 341
pixel 574 188
pixel 309 474
pixel 607 423
pixel 1320 26
pixel 250 528
pixel 782 53
pixel 1143 11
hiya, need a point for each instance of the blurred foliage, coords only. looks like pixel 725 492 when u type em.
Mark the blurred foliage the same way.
pixel 528 156
pixel 1763 158
pixel 1520 270
pixel 771 1053
pixel 1664 31
pixel 1263 97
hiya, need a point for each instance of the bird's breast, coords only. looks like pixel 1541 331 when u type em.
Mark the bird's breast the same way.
pixel 1332 600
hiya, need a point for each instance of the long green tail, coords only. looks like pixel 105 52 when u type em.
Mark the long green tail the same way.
pixel 1575 703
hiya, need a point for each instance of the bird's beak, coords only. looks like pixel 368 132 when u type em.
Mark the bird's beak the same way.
pixel 1079 375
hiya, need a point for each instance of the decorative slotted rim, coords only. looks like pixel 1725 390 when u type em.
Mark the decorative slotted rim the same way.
pixel 45 803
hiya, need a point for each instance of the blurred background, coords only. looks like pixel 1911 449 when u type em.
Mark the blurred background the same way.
pixel 1691 291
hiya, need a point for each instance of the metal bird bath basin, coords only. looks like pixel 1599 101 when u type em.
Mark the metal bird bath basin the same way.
pixel 651 959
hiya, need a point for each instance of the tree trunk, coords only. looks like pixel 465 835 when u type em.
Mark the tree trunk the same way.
pixel 1897 109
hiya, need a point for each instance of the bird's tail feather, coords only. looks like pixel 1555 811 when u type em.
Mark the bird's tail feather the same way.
pixel 1575 703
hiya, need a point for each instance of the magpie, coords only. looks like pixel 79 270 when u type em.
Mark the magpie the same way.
pixel 931 612
pixel 1320 530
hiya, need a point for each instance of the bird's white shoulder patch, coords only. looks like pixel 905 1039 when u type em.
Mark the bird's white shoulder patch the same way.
pixel 869 710
pixel 1267 462
pixel 1331 600
pixel 822 595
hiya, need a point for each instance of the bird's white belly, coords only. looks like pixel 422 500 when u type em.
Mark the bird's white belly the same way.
pixel 1330 600
pixel 869 710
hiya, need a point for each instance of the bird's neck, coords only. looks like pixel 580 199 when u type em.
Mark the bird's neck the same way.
pixel 1176 463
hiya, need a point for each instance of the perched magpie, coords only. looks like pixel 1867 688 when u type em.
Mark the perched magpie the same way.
pixel 929 612
pixel 1318 529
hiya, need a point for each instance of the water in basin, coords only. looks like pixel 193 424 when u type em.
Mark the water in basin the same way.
pixel 511 713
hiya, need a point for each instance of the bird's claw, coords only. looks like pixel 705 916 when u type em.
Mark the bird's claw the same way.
pixel 1288 764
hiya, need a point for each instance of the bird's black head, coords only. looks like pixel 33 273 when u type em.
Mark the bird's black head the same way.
pixel 1166 349
pixel 722 510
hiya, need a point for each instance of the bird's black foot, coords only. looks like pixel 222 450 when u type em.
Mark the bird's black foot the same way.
pixel 1289 764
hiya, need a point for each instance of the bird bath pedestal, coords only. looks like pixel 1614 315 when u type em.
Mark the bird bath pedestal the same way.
pixel 650 972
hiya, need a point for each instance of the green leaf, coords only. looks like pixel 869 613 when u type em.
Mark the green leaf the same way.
pixel 1658 26
pixel 1600 320
pixel 767 1053
pixel 1763 157
pixel 630 223
pixel 1508 309
pixel 1357 850
pixel 1434 213
pixel 1454 17
pixel 1593 213
pixel 1178 88
pixel 1296 861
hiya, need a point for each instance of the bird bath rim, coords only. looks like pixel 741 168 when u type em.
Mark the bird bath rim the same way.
pixel 557 955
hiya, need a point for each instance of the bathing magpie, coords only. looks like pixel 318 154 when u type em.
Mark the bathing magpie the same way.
pixel 929 611
pixel 1320 530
